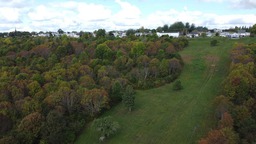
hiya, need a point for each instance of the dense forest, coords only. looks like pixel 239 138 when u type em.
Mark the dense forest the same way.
pixel 236 106
pixel 51 87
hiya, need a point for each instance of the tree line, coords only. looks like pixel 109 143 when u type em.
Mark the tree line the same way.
pixel 236 106
pixel 183 28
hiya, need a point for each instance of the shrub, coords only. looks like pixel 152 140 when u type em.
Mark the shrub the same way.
pixel 214 42
pixel 177 85
pixel 106 127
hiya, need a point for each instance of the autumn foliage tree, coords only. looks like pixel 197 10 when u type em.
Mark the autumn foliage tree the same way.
pixel 235 109
pixel 95 100
pixel 30 127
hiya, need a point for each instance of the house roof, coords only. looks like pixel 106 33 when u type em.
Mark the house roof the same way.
pixel 241 31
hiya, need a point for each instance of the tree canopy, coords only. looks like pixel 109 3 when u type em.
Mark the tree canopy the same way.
pixel 52 86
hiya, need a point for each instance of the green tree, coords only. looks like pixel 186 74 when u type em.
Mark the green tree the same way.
pixel 253 30
pixel 103 52
pixel 29 105
pixel 137 49
pixel 130 32
pixel 192 27
pixel 106 126
pixel 177 27
pixel 101 33
pixel 60 31
pixel 54 129
pixel 165 28
pixel 39 78
pixel 61 51
pixel 129 97
pixel 34 87
pixel 163 67
pixel 239 84
pixel 116 92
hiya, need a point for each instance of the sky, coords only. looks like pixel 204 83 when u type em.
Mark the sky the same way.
pixel 90 15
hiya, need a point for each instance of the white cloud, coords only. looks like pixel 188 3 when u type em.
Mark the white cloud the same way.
pixel 128 17
pixel 92 12
pixel 68 16
pixel 244 4
pixel 9 15
pixel 73 15
pixel 15 3
pixel 212 1
pixel 241 4
pixel 128 11
pixel 210 20
pixel 42 13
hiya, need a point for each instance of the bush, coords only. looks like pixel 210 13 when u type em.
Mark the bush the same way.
pixel 177 85
pixel 214 42
pixel 106 127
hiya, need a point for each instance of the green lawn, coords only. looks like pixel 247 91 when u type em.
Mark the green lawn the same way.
pixel 163 116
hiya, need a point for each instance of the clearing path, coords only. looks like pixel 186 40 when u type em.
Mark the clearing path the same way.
pixel 163 116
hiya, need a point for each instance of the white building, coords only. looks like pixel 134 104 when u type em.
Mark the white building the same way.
pixel 168 34
pixel 224 34
pixel 234 35
pixel 73 35
pixel 217 30
pixel 209 34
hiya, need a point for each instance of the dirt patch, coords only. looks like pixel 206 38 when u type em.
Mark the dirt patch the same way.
pixel 187 58
pixel 211 59
pixel 211 62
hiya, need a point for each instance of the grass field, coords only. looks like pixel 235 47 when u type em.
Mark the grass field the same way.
pixel 163 116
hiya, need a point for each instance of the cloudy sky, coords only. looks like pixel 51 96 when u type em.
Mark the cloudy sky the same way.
pixel 89 15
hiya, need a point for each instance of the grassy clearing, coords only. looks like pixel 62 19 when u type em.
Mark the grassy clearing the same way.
pixel 162 115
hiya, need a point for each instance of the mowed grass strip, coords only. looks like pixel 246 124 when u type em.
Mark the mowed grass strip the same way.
pixel 164 116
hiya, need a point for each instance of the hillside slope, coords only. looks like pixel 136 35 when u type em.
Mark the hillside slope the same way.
pixel 162 115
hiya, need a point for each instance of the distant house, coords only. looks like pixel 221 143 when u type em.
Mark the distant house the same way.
pixel 193 34
pixel 43 35
pixel 217 30
pixel 142 34
pixel 234 35
pixel 123 34
pixel 243 33
pixel 139 34
pixel 55 34
pixel 119 33
pixel 116 34
pixel 72 34
pixel 224 34
pixel 168 34
pixel 209 34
